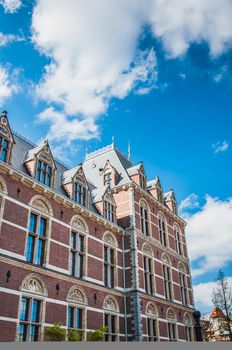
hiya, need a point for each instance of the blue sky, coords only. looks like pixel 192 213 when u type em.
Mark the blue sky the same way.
pixel 138 71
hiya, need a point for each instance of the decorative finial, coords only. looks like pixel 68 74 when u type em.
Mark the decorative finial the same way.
pixel 4 114
pixel 129 150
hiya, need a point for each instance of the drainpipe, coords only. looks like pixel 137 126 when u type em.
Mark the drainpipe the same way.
pixel 124 287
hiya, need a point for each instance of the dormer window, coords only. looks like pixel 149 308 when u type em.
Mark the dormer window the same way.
pixel 4 148
pixel 44 173
pixel 108 179
pixel 79 194
pixel 109 211
pixel 159 195
pixel 143 181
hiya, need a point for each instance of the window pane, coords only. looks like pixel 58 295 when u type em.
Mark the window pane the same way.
pixel 105 254
pixel 34 333
pixel 22 332
pixel 35 311
pixel 106 275
pixel 112 256
pixel 49 170
pixel 42 227
pixel 72 263
pixel 40 252
pixel 70 317
pixel 43 178
pixel 3 155
pixel 78 318
pixel 113 324
pixel 107 321
pixel 112 276
pixel 48 180
pixel 24 309
pixel 32 224
pixel 73 240
pixel 79 266
pixel 38 175
pixel 80 243
pixel 5 144
pixel 30 248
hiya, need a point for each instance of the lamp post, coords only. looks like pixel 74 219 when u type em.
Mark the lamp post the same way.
pixel 197 326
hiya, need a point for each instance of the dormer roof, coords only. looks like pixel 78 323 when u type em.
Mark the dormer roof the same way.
pixel 69 175
pixel 99 193
pixel 135 169
pixel 32 153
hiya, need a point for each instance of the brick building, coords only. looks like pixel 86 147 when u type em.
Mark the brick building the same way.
pixel 90 246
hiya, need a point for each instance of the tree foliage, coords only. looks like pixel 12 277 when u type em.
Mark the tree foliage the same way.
pixel 74 335
pixel 97 335
pixel 222 298
pixel 55 332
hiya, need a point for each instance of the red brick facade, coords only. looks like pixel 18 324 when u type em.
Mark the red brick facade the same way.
pixel 52 283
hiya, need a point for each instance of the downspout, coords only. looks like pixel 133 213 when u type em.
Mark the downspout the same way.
pixel 124 287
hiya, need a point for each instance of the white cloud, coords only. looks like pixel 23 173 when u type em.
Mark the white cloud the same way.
pixel 203 294
pixel 209 236
pixel 11 6
pixel 191 202
pixel 220 146
pixel 8 86
pixel 6 39
pixel 94 46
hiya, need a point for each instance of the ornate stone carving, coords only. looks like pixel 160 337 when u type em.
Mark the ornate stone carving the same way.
pixel 45 156
pixel 76 296
pixel 147 250
pixel 110 305
pixel 165 259
pixel 151 310
pixel 171 315
pixel 33 285
pixel 78 224
pixel 108 238
pixel 40 205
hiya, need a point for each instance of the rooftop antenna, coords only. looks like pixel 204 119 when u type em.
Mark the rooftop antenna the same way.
pixel 129 150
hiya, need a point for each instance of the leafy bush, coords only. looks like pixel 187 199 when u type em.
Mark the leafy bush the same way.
pixel 55 332
pixel 74 335
pixel 97 335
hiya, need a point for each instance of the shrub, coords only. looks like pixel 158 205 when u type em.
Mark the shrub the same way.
pixel 55 332
pixel 74 335
pixel 97 335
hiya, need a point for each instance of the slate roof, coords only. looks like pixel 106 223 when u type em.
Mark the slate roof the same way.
pixel 98 193
pixel 69 174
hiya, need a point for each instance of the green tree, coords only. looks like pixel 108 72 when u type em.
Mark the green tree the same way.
pixel 74 335
pixel 222 298
pixel 55 332
pixel 97 335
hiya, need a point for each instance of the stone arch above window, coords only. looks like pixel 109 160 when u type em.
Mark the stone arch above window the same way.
pixel 77 295
pixel 187 319
pixel 110 304
pixel 181 267
pixel 78 223
pixel 165 259
pixel 110 239
pixel 147 250
pixel 42 204
pixel 151 310
pixel 33 284
pixel 143 203
pixel 3 187
pixel 171 315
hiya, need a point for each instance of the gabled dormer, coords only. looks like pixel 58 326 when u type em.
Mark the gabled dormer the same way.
pixel 110 175
pixel 40 164
pixel 155 189
pixel 6 139
pixel 75 184
pixel 138 175
pixel 104 201
pixel 170 201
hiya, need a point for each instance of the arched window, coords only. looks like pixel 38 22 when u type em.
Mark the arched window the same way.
pixel 109 208
pixel 31 309
pixel 162 230
pixel 76 318
pixel 38 230
pixel 44 169
pixel 144 214
pixel 148 266
pixel 111 320
pixel 172 329
pixel 110 257
pixel 80 191
pixel 77 256
pixel 183 285
pixel 6 139
pixel 188 327
pixel 152 322
pixel 167 278
pixel 178 243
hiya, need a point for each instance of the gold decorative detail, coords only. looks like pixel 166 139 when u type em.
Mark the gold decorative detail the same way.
pixel 76 296
pixel 32 285
pixel 151 310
